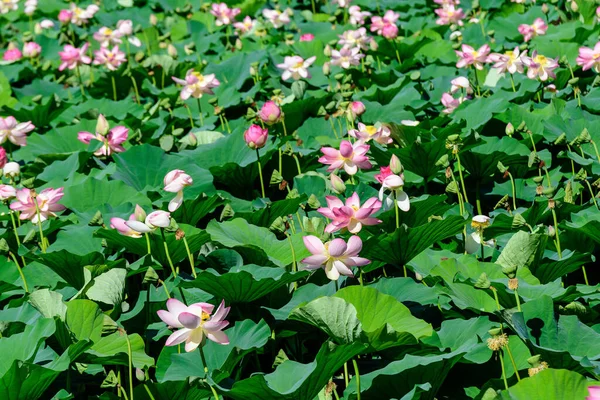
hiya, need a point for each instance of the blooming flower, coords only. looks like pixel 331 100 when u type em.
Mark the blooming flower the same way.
pixel 350 156
pixel 47 204
pixel 223 13
pixel 14 131
pixel 379 133
pixel 480 221
pixel 350 215
pixel 79 16
pixel 270 113
pixel 8 5
pixel 307 37
pixel 346 57
pixel 31 49
pixel 386 25
pixel 511 61
pixel 30 6
pixel 589 58
pixel 106 36
pixel 154 220
pixel 469 56
pixel 593 390
pixel 357 17
pixel 46 24
pixel 450 102
pixel 13 54
pixel 256 137
pixel 334 256
pixel 394 183
pixel 125 28
pixel 460 83
pixel 112 139
pixel 276 17
pixel 111 59
pixel 175 181
pixel 245 26
pixel 450 15
pixel 538 27
pixel 196 85
pixel 71 56
pixel 7 192
pixel 356 38
pixel 540 66
pixel 195 323
pixel 296 67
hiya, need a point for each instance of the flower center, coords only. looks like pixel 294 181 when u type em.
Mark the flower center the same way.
pixel 371 130
pixel 299 64
pixel 204 317
pixel 540 59
pixel 198 76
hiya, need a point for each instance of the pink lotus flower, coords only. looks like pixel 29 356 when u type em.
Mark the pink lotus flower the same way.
pixel 511 61
pixel 277 18
pixel 223 13
pixel 350 215
pixel 593 390
pixel 47 203
pixel 357 38
pixel 589 58
pixel 245 26
pixel 346 57
pixel 125 28
pixel 450 15
pixel 13 54
pixel 14 131
pixel 342 3
pixel 7 192
pixel 460 83
pixel 3 157
pixel 296 67
pixel 31 49
pixel 358 17
pixel 356 109
pixel 334 256
pixel 450 103
pixel 270 113
pixel 469 56
pixel 64 16
pixel 80 16
pixel 540 66
pixel 386 25
pixel 8 5
pixel 538 28
pixel 394 184
pixel 175 181
pixel 196 85
pixel 30 7
pixel 121 226
pixel 111 139
pixel 153 221
pixel 195 323
pixel 72 57
pixel 256 137
pixel 307 37
pixel 46 24
pixel 350 156
pixel 365 133
pixel 106 36
pixel 111 59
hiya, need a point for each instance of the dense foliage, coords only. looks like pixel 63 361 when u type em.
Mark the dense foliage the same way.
pixel 299 200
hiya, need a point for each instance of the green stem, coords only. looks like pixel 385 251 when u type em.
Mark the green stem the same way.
pixel 190 257
pixel 212 389
pixel 357 374
pixel 280 162
pixel 585 278
pixel 503 370
pixel 78 73
pixel 149 392
pixel 162 232
pixel 262 184
pixel 200 111
pixel 512 82
pixel 596 150
pixel 477 83
pixel 333 127
pixel 294 263
pixel 189 114
pixel 130 366
pixel 114 87
pixel 496 297
pixel 462 181
pixel 514 191
pixel 149 248
pixel 346 380
pixel 39 224
pixel 12 218
pixel 518 300
pixel 592 194
pixel 135 89
pixel 20 271
pixel 481 244
pixel 514 364
pixel 396 208
pixel 557 234
pixel 297 164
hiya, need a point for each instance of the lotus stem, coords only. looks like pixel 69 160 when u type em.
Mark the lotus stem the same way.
pixel 200 111
pixel 462 181
pixel 514 191
pixel 557 234
pixel 114 86
pixel 20 271
pixel 294 263
pixel 130 365
pixel 78 73
pixel 512 82
pixel 592 194
pixel 518 299
pixel 190 257
pixel 262 184
pixel 396 208
pixel 212 389
pixel 514 364
pixel 148 247
pixel 346 380
pixel 135 89
pixel 503 370
pixel 12 219
pixel 39 224
pixel 357 374
pixel 162 232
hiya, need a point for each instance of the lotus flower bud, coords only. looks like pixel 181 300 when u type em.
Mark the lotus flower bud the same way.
pixel 140 374
pixel 64 16
pixel 545 8
pixel 31 49
pixel 158 219
pixel 3 158
pixel 256 137
pixel 139 213
pixel 172 51
pixel 12 169
pixel 574 6
pixel 327 51
pixel 153 19
pixel 396 165
pixel 7 192
pixel 337 184
pixel 46 24
pixel 270 113
pixel 358 108
pixel 102 125
pixel 326 69
pixel 510 129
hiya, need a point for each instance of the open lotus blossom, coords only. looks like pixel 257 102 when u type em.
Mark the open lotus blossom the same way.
pixel 246 26
pixel 276 17
pixel 125 28
pixel 589 58
pixel 64 16
pixel 346 57
pixel 47 204
pixel 8 5
pixel 111 59
pixel 451 103
pixel 196 85
pixel 350 215
pixel 350 157
pixel 14 130
pixel 460 83
pixel 386 25
pixel 7 192
pixel 195 323
pixel 223 13
pixel 540 66
pixel 378 132
pixel 77 15
pixel 72 57
pixel 594 391
pixel 538 28
pixel 469 56
pixel 106 36
pixel 270 113
pixel 394 184
pixel 356 38
pixel 296 67
pixel 175 181
pixel 511 61
pixel 358 17
pixel 31 49
pixel 335 256
pixel 450 15
pixel 12 54
pixel 153 221
pixel 111 139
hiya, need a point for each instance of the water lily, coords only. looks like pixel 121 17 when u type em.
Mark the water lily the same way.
pixel 72 57
pixel 8 5
pixel 256 137
pixel 296 67
pixel 356 38
pixel 540 66
pixel 14 130
pixel 125 28
pixel 511 61
pixel 80 16
pixel 357 16
pixel 195 323
pixel 378 132
pixel 276 17
pixel 106 36
pixel 589 58
pixel 594 391
pixel 450 15
pixel 350 157
pixel 335 257
pixel 346 57
pixel 11 170
pixel 460 83
pixel 246 26
pixel 121 226
pixel 223 13
pixel 538 28
pixel 450 102
pixel 469 56
pixel 386 25
pixel 350 215
pixel 175 181
pixel 47 204
pixel 111 59
pixel 307 37
pixel 196 85
pixel 7 192
pixel 12 54
pixel 112 140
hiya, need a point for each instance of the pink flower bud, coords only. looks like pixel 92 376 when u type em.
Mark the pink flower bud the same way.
pixel 7 192
pixel 395 165
pixel 3 158
pixel 31 49
pixel 139 214
pixel 176 180
pixel 270 113
pixel 337 184
pixel 65 16
pixel 158 219
pixel 12 55
pixel 356 108
pixel 256 137
pixel 307 37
